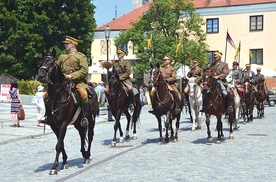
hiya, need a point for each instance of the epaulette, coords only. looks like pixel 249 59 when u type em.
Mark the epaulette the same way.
pixel 81 54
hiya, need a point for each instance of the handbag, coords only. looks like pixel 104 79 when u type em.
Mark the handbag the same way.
pixel 21 113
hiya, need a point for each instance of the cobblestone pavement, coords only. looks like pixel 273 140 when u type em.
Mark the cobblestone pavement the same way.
pixel 27 153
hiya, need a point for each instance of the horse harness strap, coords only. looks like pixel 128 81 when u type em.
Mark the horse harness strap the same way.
pixel 76 115
pixel 72 69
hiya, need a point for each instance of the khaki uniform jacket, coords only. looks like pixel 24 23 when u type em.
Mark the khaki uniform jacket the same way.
pixel 198 74
pixel 168 73
pixel 221 69
pixel 123 68
pixel 248 74
pixel 75 64
pixel 259 77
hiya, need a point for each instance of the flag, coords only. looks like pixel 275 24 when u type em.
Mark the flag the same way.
pixel 150 41
pixel 231 42
pixel 237 51
pixel 250 54
pixel 179 44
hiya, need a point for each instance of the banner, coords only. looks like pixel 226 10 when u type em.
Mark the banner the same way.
pixel 231 42
pixel 5 88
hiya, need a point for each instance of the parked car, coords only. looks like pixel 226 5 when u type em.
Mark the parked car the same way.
pixel 272 99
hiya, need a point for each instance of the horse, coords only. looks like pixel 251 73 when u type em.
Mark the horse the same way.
pixel 185 97
pixel 63 108
pixel 119 102
pixel 195 101
pixel 162 104
pixel 249 100
pixel 261 97
pixel 237 99
pixel 214 104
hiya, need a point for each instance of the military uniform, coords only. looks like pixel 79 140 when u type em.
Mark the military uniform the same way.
pixel 75 64
pixel 250 76
pixel 123 68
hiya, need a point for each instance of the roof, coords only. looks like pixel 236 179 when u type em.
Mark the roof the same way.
pixel 124 22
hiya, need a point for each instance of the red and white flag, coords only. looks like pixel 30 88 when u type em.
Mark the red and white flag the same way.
pixel 231 42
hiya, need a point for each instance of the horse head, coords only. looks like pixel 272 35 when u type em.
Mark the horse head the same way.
pixel 208 79
pixel 192 85
pixel 247 86
pixel 47 71
pixel 113 81
pixel 156 75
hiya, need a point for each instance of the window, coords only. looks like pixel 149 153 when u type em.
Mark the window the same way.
pixel 256 23
pixel 256 56
pixel 212 25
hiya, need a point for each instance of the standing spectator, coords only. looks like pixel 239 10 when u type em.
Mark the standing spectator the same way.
pixel 39 101
pixel 102 94
pixel 15 103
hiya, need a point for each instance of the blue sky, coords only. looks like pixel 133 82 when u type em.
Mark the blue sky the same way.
pixel 105 9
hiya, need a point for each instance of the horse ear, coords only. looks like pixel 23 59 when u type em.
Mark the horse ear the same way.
pixel 158 65
pixel 54 52
pixel 43 54
pixel 151 65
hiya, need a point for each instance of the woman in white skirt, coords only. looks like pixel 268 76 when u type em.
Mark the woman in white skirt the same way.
pixel 39 101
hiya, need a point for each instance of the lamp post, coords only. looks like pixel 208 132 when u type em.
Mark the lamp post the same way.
pixel 107 31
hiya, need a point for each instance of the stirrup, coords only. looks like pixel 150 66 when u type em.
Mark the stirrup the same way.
pixel 229 109
pixel 84 122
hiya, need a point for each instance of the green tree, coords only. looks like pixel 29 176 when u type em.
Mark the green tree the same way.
pixel 157 33
pixel 28 27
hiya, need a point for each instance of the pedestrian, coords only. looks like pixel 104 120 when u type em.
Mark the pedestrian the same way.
pixel 39 101
pixel 15 103
pixel 74 66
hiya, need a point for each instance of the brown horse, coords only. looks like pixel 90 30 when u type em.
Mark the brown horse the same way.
pixel 163 104
pixel 261 97
pixel 214 104
pixel 119 102
pixel 63 107
pixel 249 100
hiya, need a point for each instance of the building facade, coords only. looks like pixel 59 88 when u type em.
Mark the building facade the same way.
pixel 249 23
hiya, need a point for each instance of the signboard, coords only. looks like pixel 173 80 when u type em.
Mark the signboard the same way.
pixel 5 88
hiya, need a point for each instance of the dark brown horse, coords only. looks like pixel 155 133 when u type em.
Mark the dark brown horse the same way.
pixel 119 102
pixel 249 100
pixel 63 107
pixel 162 104
pixel 214 104
pixel 261 97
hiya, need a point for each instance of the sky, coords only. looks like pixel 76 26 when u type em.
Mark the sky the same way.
pixel 105 10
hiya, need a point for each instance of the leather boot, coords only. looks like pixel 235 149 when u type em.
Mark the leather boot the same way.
pixel 176 101
pixel 84 120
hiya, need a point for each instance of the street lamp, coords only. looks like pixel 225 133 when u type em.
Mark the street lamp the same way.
pixel 107 31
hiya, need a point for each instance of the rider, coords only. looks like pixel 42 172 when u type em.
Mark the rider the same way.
pixel 74 66
pixel 123 69
pixel 250 76
pixel 220 71
pixel 237 77
pixel 260 77
pixel 169 75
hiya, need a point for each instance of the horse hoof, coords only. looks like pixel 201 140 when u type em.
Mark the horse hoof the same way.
pixel 175 140
pixel 134 137
pixel 231 137
pixel 53 172
pixel 113 144
pixel 159 143
pixel 127 137
pixel 121 140
pixel 167 140
pixel 199 127
pixel 86 161
pixel 64 166
pixel 193 129
pixel 210 140
pixel 218 142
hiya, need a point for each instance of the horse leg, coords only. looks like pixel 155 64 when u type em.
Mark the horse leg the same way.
pixel 167 124
pixel 116 126
pixel 193 117
pixel 220 137
pixel 160 140
pixel 128 123
pixel 231 119
pixel 209 138
pixel 60 134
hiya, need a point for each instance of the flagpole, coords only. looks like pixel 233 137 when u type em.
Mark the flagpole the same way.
pixel 240 53
pixel 225 46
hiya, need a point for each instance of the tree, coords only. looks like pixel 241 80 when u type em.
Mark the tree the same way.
pixel 27 27
pixel 171 28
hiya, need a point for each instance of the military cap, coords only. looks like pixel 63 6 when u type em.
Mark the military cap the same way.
pixel 217 54
pixel 235 63
pixel 196 62
pixel 121 51
pixel 259 69
pixel 72 40
pixel 240 68
pixel 167 58
pixel 247 65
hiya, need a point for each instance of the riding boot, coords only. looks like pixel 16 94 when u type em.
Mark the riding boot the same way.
pixel 84 120
pixel 131 96
pixel 177 101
